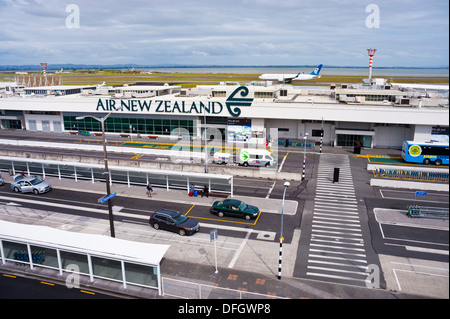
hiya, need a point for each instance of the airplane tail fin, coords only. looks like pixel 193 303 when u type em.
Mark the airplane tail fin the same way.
pixel 317 70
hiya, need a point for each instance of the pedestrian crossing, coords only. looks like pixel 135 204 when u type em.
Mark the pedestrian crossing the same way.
pixel 336 250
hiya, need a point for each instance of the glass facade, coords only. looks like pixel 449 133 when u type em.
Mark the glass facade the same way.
pixel 145 275
pixel 127 125
pixel 350 140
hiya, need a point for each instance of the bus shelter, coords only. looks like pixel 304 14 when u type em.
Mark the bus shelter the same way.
pixel 96 256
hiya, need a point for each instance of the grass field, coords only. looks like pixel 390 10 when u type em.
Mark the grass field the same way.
pixel 115 77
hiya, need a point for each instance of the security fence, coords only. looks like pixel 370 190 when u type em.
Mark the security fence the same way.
pixel 423 175
pixel 193 290
pixel 118 174
pixel 297 143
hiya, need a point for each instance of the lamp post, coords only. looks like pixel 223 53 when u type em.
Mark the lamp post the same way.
pixel 206 142
pixel 105 158
pixel 304 156
pixel 286 185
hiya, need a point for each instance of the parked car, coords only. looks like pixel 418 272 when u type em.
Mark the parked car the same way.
pixel 235 208
pixel 173 221
pixel 2 182
pixel 30 184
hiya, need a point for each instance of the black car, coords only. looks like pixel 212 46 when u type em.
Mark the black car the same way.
pixel 173 221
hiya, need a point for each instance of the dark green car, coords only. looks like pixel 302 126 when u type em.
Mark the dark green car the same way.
pixel 235 208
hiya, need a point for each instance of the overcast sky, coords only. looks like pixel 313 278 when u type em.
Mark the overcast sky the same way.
pixel 225 32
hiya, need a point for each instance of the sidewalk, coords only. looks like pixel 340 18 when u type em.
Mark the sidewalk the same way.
pixel 267 205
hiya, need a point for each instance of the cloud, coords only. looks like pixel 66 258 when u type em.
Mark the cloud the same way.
pixel 224 32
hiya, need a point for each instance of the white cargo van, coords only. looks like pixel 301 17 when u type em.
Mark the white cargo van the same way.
pixel 220 157
pixel 256 157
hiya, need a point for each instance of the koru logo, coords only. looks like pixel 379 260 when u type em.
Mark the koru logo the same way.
pixel 233 101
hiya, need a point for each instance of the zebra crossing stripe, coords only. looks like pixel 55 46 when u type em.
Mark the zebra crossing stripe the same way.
pixel 336 249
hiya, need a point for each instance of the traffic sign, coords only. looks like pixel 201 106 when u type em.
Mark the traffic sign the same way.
pixel 105 198
pixel 213 235
pixel 421 193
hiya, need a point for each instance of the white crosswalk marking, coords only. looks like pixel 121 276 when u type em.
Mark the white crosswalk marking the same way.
pixel 336 249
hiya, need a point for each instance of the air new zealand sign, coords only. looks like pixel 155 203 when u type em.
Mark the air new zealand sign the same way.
pixel 233 103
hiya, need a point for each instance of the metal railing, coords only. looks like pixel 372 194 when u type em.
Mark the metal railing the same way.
pixel 416 211
pixel 118 174
pixel 192 290
pixel 422 175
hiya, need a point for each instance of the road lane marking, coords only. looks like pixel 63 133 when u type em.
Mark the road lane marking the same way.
pixel 10 276
pixel 271 189
pixel 239 250
pixel 137 156
pixel 282 163
pixel 73 207
pixel 189 210
pixel 47 283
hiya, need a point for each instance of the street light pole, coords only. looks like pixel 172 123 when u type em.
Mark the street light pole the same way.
pixel 206 147
pixel 304 156
pixel 108 187
pixel 105 159
pixel 286 185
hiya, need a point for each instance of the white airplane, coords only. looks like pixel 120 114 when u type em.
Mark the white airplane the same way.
pixel 287 78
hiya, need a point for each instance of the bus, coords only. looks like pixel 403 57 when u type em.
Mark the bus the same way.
pixel 426 153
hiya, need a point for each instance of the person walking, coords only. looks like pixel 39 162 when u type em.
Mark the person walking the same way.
pixel 149 189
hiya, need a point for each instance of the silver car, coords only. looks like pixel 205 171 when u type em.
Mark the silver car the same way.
pixel 30 184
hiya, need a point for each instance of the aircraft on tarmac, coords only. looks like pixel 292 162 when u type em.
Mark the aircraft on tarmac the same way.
pixel 287 78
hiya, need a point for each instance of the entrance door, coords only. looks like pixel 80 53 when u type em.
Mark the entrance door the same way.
pixel 45 126
pixel 32 125
pixel 350 140
pixel 57 127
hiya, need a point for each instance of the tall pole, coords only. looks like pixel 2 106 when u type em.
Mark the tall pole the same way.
pixel 304 156
pixel 108 188
pixel 371 54
pixel 206 147
pixel 321 138
pixel 105 159
pixel 286 185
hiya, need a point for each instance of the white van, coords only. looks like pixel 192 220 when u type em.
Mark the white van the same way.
pixel 256 157
pixel 220 157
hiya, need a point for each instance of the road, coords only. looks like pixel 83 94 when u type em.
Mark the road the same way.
pixel 15 287
pixel 335 235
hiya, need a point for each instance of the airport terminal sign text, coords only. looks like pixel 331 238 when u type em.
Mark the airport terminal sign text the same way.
pixel 232 104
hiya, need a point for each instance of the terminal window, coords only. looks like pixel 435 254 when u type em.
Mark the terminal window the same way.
pixel 130 125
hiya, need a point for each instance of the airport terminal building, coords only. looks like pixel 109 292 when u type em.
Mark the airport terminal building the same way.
pixel 379 115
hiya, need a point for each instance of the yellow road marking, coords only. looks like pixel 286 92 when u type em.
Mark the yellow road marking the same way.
pixel 137 156
pixel 87 292
pixel 11 276
pixel 189 210
pixel 228 221
pixel 47 283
